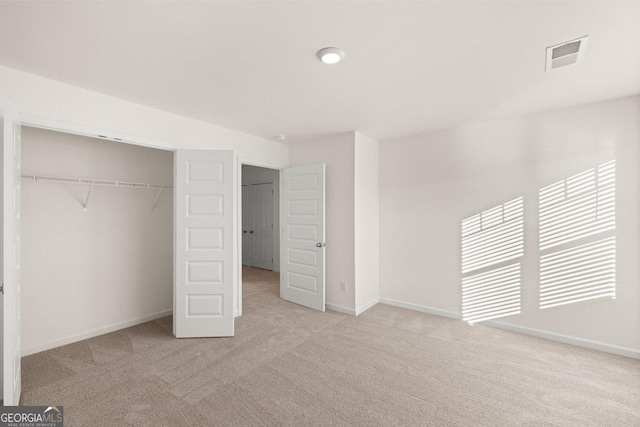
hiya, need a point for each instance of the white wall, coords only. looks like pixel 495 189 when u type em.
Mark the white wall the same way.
pixel 41 97
pixel 251 174
pixel 337 153
pixel 352 216
pixel 429 183
pixel 367 221
pixel 85 271
pixel 51 101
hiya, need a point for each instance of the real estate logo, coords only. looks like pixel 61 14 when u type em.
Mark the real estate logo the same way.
pixel 31 416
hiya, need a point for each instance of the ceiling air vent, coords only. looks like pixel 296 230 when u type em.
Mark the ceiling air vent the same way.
pixel 567 53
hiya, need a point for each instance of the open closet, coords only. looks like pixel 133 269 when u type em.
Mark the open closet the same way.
pixel 97 237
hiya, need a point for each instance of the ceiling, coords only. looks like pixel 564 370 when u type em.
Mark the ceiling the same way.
pixel 410 67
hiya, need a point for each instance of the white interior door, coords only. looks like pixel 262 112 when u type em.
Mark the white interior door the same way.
pixel 203 284
pixel 261 225
pixel 246 213
pixel 302 244
pixel 12 382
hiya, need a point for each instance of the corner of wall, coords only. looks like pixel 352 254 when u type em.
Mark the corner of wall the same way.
pixel 337 153
pixel 366 221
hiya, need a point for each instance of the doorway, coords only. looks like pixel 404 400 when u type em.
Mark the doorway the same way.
pixel 12 182
pixel 299 230
pixel 260 231
pixel 260 217
pixel 97 239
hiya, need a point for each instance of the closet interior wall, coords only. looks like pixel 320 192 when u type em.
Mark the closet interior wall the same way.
pixel 88 272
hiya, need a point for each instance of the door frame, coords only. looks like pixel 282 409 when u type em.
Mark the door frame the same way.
pixel 104 134
pixel 238 234
pixel 10 372
pixel 77 129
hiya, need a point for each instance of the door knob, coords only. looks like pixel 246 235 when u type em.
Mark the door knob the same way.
pixel 244 231
pixel 319 245
pixel 251 232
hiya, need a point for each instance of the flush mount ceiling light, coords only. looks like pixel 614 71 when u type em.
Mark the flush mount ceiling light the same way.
pixel 330 55
pixel 279 137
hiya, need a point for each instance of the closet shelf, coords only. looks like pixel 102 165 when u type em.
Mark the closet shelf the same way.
pixel 99 182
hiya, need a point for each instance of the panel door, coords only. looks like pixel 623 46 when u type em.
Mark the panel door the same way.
pixel 302 246
pixel 12 382
pixel 246 214
pixel 203 289
pixel 262 225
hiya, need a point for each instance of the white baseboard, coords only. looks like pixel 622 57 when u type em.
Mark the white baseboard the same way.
pixel 367 306
pixel 95 333
pixel 594 345
pixel 340 309
pixel 421 308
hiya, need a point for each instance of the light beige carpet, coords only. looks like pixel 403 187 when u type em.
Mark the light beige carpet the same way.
pixel 288 365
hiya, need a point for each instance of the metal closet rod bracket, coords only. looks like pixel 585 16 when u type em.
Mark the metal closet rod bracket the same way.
pixel 86 200
pixel 155 201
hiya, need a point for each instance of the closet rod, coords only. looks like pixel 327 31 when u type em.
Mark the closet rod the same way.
pixel 100 182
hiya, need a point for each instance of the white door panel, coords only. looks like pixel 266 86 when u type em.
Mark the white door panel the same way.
pixel 203 290
pixel 302 251
pixel 246 214
pixel 12 383
pixel 261 225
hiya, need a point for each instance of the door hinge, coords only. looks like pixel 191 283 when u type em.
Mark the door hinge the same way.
pixel 2 289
